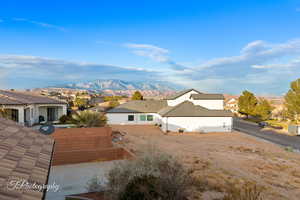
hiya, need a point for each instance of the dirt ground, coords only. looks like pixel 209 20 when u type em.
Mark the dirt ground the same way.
pixel 222 158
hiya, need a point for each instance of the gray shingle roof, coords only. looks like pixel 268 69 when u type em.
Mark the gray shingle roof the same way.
pixel 139 106
pixel 181 93
pixel 188 109
pixel 24 154
pixel 207 96
pixel 21 98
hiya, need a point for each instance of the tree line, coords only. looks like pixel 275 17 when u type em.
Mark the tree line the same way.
pixel 261 108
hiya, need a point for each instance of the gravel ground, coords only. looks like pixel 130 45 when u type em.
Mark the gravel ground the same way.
pixel 220 158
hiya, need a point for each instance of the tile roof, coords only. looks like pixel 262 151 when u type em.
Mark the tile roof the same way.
pixel 21 98
pixel 207 96
pixel 140 106
pixel 181 93
pixel 24 155
pixel 188 109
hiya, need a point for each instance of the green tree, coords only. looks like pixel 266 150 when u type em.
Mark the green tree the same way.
pixel 80 103
pixel 137 96
pixel 263 109
pixel 3 113
pixel 247 103
pixel 292 101
pixel 88 118
pixel 113 104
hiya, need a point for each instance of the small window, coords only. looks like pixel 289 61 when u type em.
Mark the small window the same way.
pixel 143 117
pixel 149 117
pixel 130 117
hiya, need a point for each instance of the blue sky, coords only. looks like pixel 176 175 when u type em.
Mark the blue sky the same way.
pixel 211 45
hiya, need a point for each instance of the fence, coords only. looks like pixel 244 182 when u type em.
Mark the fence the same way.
pixel 294 129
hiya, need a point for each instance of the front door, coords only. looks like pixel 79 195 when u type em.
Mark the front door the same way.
pixel 51 114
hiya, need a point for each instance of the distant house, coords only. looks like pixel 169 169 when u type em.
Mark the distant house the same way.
pixel 25 161
pixel 96 100
pixel 189 110
pixel 232 104
pixel 29 109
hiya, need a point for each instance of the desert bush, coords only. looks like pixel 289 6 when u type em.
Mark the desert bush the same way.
pixel 247 191
pixel 88 118
pixel 64 119
pixel 159 173
pixel 143 188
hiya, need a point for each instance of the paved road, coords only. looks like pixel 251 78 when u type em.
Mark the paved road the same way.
pixel 269 135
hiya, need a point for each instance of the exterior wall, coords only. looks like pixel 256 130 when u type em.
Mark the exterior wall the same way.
pixel 181 99
pixel 210 104
pixel 34 111
pixel 197 124
pixel 20 109
pixel 122 118
pixel 41 110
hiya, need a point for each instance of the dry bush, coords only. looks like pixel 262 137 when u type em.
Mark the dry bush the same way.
pixel 172 180
pixel 247 191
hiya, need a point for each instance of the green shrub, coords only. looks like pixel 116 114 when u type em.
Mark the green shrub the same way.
pixel 88 118
pixel 64 119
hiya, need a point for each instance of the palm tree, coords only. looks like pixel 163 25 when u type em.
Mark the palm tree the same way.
pixel 88 118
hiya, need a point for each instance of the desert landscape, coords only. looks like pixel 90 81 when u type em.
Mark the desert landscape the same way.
pixel 223 160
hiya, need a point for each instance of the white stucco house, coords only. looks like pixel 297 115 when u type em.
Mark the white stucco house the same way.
pixel 29 109
pixel 188 110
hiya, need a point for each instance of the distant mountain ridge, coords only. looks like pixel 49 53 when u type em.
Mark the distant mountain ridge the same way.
pixel 116 84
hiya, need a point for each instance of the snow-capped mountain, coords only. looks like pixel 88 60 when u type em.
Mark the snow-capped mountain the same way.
pixel 115 84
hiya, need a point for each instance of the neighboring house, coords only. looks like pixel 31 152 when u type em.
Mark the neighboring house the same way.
pixel 25 160
pixel 95 101
pixel 189 110
pixel 232 104
pixel 29 109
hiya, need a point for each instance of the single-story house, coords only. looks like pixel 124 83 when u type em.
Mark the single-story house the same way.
pixel 25 161
pixel 28 109
pixel 188 110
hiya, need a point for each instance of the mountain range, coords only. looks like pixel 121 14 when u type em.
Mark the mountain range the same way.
pixel 115 84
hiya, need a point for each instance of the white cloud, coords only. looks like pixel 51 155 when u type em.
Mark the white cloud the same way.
pixel 28 71
pixel 155 53
pixel 41 24
pixel 255 53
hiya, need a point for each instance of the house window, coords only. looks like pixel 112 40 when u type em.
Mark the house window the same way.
pixel 149 117
pixel 130 117
pixel 143 117
pixel 52 114
pixel 15 115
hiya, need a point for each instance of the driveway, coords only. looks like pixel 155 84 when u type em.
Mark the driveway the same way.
pixel 269 135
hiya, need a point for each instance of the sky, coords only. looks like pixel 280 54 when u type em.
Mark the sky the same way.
pixel 224 46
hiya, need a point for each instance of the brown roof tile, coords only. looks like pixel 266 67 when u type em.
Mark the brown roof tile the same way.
pixel 24 154
pixel 207 96
pixel 188 109
pixel 178 94
pixel 140 106
pixel 21 98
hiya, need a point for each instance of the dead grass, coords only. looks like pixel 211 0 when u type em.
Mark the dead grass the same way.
pixel 222 158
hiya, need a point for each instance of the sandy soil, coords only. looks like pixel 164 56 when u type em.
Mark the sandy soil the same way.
pixel 220 158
